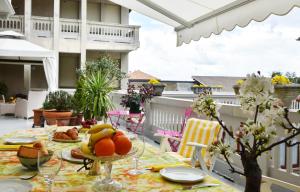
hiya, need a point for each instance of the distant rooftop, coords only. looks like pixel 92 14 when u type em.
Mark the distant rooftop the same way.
pixel 226 81
pixel 140 75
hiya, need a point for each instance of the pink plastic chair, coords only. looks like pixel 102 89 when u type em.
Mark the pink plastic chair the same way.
pixel 176 133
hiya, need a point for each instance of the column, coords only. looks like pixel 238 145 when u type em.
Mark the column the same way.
pixel 124 16
pixel 27 19
pixel 124 68
pixel 27 77
pixel 56 32
pixel 83 33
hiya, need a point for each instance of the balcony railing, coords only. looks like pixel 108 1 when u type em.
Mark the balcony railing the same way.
pixel 112 33
pixel 14 23
pixel 71 29
pixel 42 26
pixel 167 113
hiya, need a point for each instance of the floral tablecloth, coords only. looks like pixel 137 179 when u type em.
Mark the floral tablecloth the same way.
pixel 68 180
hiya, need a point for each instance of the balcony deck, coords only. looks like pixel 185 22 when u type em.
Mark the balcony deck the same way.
pixel 166 112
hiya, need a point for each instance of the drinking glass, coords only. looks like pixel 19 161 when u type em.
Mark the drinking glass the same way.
pixel 139 142
pixel 49 169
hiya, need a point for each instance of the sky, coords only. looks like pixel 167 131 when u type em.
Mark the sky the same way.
pixel 265 46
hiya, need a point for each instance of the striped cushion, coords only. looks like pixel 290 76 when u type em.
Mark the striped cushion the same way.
pixel 200 131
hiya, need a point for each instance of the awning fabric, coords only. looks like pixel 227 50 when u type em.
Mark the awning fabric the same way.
pixel 14 47
pixel 193 19
pixel 6 9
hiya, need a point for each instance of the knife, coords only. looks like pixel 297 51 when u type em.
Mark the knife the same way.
pixel 200 186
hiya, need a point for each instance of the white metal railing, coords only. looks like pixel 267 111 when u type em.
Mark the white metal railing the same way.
pixel 70 28
pixel 14 23
pixel 112 32
pixel 42 26
pixel 167 113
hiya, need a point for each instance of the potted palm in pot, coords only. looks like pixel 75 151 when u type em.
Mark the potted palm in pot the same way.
pixel 57 108
pixel 95 84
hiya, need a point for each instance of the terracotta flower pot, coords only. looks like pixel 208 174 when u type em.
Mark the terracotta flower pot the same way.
pixel 57 117
pixel 37 114
pixel 287 93
pixel 236 89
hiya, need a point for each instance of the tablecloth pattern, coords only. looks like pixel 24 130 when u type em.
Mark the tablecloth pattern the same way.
pixel 68 180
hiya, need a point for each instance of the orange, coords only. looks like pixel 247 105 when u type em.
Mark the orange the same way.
pixel 123 145
pixel 104 147
pixel 118 133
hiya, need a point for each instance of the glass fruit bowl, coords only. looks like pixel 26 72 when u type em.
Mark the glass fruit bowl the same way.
pixel 107 183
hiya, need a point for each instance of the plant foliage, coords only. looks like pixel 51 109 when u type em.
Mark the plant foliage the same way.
pixel 59 100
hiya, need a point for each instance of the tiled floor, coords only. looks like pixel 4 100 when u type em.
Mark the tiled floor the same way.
pixel 10 123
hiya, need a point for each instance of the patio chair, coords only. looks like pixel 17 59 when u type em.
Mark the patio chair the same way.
pixel 196 136
pixel 24 108
pixel 267 182
pixel 170 144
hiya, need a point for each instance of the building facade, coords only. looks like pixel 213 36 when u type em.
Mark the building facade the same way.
pixel 77 31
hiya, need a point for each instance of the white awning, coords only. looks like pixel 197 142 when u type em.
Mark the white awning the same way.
pixel 193 19
pixel 6 9
pixel 14 47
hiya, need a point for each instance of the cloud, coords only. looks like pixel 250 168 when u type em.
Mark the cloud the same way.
pixel 267 46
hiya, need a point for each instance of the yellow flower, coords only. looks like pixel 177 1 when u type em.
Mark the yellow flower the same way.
pixel 153 81
pixel 280 80
pixel 195 85
pixel 240 82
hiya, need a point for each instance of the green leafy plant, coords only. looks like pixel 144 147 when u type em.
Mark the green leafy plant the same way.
pixel 3 89
pixel 96 88
pixel 59 100
pixel 94 85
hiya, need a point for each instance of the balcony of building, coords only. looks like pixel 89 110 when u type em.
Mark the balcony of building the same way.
pixel 103 28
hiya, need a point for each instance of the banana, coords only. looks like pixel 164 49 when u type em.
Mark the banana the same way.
pixel 99 127
pixel 107 132
pixel 85 149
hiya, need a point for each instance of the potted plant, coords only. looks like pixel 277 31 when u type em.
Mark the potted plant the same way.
pixel 285 90
pixel 57 106
pixel 135 99
pixel 156 85
pixel 255 136
pixel 198 89
pixel 237 86
pixel 95 83
pixel 3 91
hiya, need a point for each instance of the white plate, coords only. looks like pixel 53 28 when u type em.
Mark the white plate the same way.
pixel 182 174
pixel 66 155
pixel 20 140
pixel 12 185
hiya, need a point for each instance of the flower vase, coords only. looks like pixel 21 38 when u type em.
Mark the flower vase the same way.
pixel 134 107
pixel 158 89
pixel 252 173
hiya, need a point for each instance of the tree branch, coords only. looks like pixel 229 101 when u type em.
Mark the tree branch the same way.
pixel 229 132
pixel 285 140
pixel 232 169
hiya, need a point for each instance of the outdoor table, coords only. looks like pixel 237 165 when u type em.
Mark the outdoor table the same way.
pixel 69 180
pixel 6 108
pixel 134 121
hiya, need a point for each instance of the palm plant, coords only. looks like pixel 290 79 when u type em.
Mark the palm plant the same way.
pixel 96 101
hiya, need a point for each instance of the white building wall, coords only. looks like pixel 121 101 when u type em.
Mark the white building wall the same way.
pixel 110 13
pixel 82 11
